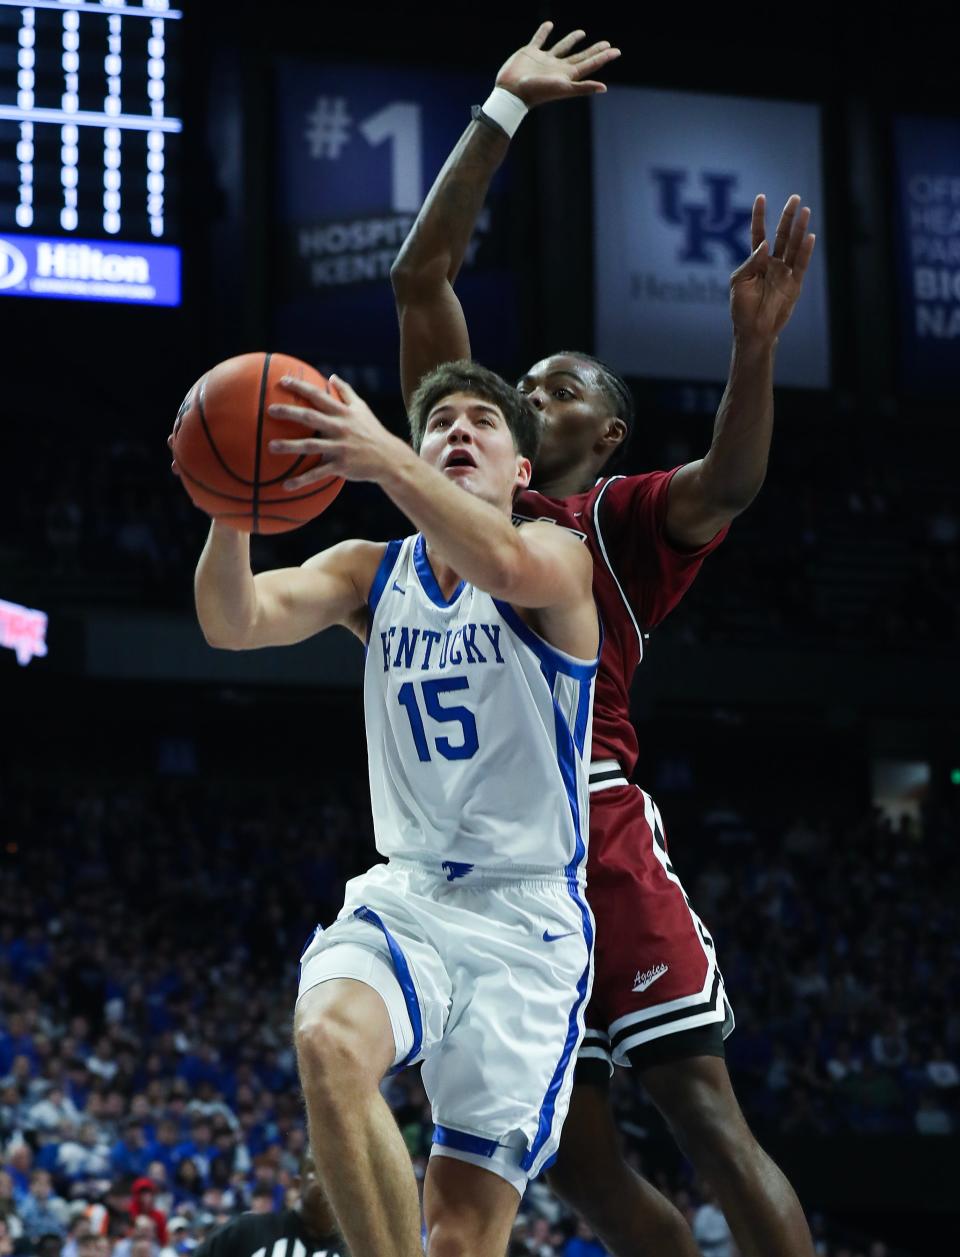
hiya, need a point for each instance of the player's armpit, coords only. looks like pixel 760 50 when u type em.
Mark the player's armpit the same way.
pixel 331 588
pixel 694 516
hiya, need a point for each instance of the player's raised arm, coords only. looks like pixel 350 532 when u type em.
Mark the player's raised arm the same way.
pixel 432 324
pixel 240 611
pixel 707 494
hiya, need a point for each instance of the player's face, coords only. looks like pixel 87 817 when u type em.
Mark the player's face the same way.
pixel 467 438
pixel 567 393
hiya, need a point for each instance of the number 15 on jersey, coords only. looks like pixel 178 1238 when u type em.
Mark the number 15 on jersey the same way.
pixel 429 698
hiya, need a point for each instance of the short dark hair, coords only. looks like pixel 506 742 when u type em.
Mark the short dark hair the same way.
pixel 469 377
pixel 617 394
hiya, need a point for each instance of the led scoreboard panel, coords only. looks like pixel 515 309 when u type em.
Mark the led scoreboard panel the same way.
pixel 89 150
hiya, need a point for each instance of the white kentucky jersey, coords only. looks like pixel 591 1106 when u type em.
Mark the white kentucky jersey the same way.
pixel 476 728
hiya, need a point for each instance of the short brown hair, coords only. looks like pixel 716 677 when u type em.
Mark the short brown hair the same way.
pixel 469 377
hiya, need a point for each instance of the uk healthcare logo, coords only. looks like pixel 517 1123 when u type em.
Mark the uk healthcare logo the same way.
pixel 708 224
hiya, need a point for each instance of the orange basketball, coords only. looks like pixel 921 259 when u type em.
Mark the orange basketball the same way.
pixel 221 444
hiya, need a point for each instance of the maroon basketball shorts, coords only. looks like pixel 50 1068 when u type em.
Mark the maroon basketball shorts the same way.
pixel 657 991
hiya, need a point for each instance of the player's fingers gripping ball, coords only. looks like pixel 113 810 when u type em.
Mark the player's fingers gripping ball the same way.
pixel 221 444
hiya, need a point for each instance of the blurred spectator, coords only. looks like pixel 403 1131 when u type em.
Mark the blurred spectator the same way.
pixel 86 1155
pixel 49 1245
pixel 843 1063
pixel 889 1047
pixel 51 1112
pixel 710 1228
pixel 932 1118
pixel 142 1205
pixel 537 1241
pixel 187 1182
pixel 583 1244
pixel 941 1071
pixel 41 1211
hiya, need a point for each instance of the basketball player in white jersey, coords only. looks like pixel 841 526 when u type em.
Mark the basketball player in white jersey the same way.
pixel 470 950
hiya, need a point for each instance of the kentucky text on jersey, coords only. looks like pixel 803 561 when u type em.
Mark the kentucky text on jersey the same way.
pixel 423 648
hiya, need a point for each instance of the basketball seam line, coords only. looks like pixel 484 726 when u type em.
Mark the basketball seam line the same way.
pixel 266 515
pixel 231 497
pixel 257 451
pixel 220 459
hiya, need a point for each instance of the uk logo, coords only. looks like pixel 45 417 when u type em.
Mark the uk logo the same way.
pixel 455 869
pixel 713 220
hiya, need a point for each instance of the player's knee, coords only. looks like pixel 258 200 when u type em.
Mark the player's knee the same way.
pixel 447 1239
pixel 333 1061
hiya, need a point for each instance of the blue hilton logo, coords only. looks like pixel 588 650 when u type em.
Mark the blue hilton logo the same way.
pixel 715 222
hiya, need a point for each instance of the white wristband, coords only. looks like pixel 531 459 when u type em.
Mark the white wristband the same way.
pixel 505 109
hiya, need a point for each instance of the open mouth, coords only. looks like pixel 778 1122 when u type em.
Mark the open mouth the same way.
pixel 459 458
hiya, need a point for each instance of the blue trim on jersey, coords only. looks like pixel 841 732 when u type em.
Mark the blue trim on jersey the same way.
pixel 447 1137
pixel 548 655
pixel 567 749
pixel 583 717
pixel 382 575
pixel 405 978
pixel 387 564
pixel 317 929
pixel 427 578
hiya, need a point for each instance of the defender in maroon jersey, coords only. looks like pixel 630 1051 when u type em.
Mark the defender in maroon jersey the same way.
pixel 656 974
pixel 658 1000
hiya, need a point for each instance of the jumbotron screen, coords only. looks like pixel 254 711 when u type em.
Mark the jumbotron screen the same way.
pixel 90 131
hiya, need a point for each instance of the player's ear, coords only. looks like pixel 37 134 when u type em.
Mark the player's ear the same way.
pixel 524 472
pixel 613 434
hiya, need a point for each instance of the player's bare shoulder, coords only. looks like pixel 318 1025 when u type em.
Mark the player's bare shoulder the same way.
pixel 566 545
pixel 570 623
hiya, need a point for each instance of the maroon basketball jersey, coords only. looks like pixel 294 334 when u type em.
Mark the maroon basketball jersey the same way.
pixel 638 577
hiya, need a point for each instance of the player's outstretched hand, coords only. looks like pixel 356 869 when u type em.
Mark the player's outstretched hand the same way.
pixel 353 441
pixel 536 74
pixel 765 289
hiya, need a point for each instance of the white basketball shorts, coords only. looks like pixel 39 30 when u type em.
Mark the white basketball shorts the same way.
pixel 486 978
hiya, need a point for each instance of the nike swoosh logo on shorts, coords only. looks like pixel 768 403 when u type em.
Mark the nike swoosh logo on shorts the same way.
pixel 399 588
pixel 552 938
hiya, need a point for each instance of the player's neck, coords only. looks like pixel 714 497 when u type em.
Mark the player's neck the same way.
pixel 443 573
pixel 564 484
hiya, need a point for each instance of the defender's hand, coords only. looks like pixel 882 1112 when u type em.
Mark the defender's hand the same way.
pixel 353 441
pixel 765 289
pixel 536 74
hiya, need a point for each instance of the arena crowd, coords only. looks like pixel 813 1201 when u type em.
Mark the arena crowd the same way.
pixel 148 958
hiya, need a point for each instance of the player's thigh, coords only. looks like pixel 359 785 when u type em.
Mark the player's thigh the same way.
pixel 342 1026
pixel 656 967
pixel 589 1142
pixel 504 1069
pixel 397 991
pixel 696 1097
pixel 467 1210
